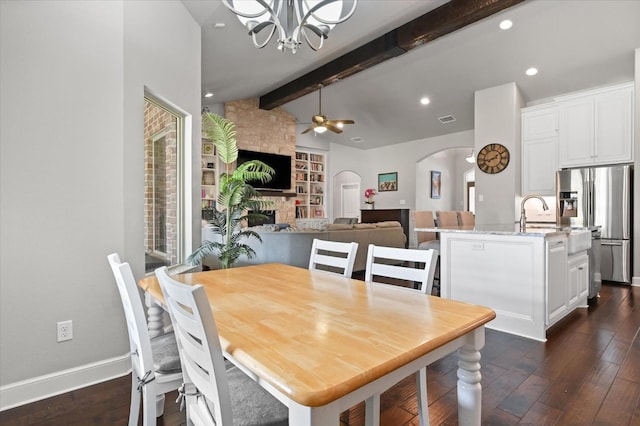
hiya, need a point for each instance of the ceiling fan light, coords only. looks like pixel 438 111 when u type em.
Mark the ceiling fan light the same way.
pixel 340 124
pixel 320 129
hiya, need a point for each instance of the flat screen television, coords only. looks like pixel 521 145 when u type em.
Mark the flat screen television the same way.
pixel 281 180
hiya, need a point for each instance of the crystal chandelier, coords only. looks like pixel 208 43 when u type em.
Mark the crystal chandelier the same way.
pixel 310 20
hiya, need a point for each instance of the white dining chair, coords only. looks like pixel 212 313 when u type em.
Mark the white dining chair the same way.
pixel 155 362
pixel 333 256
pixel 409 265
pixel 213 394
pixel 412 265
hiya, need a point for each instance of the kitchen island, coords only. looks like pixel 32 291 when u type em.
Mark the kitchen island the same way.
pixel 524 276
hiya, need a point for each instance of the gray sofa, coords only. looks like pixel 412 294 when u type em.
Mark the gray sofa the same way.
pixel 292 246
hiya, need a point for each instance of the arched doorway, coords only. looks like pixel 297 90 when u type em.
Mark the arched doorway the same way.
pixel 346 198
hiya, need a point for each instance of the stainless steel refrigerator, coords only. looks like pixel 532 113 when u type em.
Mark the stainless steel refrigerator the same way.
pixel 601 197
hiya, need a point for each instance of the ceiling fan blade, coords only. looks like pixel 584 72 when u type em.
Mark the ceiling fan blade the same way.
pixel 308 129
pixel 333 128
pixel 336 122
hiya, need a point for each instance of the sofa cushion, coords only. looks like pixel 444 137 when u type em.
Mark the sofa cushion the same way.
pixel 364 226
pixel 388 224
pixel 338 226
pixel 346 220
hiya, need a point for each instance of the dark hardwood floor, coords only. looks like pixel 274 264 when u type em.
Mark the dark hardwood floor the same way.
pixel 587 373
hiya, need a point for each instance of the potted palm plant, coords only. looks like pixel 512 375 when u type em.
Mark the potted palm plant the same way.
pixel 237 200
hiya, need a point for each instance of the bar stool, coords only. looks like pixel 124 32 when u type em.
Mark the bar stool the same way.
pixel 428 241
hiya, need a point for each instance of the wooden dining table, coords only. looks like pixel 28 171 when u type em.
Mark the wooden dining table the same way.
pixel 321 343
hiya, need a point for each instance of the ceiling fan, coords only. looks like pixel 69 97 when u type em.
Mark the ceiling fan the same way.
pixel 320 122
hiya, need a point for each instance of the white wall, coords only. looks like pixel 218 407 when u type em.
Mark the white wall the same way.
pixel 72 80
pixel 452 166
pixel 497 120
pixel 636 179
pixel 401 158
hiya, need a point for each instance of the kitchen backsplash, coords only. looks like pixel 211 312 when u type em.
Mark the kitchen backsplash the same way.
pixel 535 213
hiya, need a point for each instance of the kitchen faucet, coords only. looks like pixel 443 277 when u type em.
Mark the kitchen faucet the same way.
pixel 523 216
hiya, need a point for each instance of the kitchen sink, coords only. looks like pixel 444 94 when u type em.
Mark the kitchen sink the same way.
pixel 578 240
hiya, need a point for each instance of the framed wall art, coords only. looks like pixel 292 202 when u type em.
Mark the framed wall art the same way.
pixel 435 183
pixel 208 148
pixel 388 182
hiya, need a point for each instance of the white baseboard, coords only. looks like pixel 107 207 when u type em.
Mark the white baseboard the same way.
pixel 38 388
pixel 635 281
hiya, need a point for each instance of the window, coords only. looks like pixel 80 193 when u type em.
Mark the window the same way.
pixel 163 204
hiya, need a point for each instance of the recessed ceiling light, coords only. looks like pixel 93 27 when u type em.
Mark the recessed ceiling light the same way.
pixel 208 94
pixel 531 71
pixel 506 24
pixel 425 101
pixel 219 25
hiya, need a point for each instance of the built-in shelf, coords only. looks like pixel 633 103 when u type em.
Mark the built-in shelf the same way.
pixel 310 185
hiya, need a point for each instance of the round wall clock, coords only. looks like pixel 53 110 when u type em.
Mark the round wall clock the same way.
pixel 493 158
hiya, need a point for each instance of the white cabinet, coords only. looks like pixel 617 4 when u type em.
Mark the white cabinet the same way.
pixel 578 278
pixel 539 149
pixel 567 280
pixel 596 127
pixel 556 285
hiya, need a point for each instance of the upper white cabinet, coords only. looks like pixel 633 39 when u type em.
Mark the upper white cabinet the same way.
pixel 539 149
pixel 596 127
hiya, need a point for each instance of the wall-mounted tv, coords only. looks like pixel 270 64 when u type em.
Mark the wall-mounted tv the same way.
pixel 281 180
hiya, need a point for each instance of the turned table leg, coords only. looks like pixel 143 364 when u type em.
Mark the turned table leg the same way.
pixel 469 388
pixel 157 318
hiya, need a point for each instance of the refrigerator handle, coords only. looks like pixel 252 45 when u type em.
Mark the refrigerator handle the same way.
pixel 611 243
pixel 592 197
pixel 586 191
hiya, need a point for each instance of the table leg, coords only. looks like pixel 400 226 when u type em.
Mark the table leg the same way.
pixel 469 388
pixel 421 394
pixel 372 411
pixel 300 415
pixel 155 317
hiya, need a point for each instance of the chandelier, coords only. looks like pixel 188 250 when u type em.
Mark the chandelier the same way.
pixel 310 20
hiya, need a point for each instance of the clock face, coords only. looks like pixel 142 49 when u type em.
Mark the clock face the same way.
pixel 493 158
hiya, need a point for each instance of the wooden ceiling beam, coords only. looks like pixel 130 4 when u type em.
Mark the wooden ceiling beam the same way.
pixel 443 20
pixel 446 19
pixel 363 57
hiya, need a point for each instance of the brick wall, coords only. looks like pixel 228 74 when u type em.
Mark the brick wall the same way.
pixel 158 121
pixel 271 131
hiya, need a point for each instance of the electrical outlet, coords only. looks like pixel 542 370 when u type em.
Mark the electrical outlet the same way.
pixel 65 330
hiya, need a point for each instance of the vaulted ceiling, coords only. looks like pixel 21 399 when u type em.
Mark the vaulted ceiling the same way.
pixel 575 45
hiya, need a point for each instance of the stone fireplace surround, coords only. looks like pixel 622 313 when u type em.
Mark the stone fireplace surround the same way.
pixel 270 218
pixel 273 132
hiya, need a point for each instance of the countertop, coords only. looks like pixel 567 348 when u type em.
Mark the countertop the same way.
pixel 530 231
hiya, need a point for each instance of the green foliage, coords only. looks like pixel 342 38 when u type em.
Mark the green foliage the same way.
pixel 235 197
